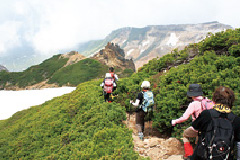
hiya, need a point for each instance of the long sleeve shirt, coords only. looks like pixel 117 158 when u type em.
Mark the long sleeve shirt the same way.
pixel 194 109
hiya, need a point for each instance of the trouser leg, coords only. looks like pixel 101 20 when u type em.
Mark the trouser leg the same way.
pixel 140 114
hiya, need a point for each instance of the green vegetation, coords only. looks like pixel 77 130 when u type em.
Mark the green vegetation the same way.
pixel 34 74
pixel 82 71
pixel 52 69
pixel 217 62
pixel 79 125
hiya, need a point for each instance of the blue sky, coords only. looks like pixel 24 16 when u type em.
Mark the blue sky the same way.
pixel 51 25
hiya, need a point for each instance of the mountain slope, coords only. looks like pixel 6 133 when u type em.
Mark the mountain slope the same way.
pixel 143 44
pixel 79 125
pixel 2 68
pixel 68 69
pixel 213 62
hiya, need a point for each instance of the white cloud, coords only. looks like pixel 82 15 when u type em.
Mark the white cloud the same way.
pixel 57 24
pixel 9 36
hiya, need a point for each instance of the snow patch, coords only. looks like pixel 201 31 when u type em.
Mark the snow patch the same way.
pixel 129 52
pixel 14 101
pixel 142 50
pixel 145 43
pixel 172 40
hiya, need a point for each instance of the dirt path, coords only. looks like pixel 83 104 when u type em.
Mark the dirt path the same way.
pixel 153 146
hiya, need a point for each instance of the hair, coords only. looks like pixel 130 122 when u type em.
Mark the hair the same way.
pixel 146 88
pixel 111 69
pixel 224 95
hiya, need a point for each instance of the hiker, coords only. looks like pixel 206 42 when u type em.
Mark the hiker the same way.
pixel 108 84
pixel 114 76
pixel 223 118
pixel 144 102
pixel 194 109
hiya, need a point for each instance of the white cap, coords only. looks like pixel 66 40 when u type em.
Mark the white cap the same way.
pixel 108 75
pixel 145 84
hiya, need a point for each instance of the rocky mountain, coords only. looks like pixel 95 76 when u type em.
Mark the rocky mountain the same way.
pixel 69 69
pixel 143 44
pixel 73 57
pixel 140 44
pixel 3 68
pixel 112 55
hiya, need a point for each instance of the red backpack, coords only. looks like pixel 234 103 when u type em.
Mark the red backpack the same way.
pixel 108 85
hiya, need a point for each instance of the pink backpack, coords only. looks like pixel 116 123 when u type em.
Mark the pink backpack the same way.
pixel 108 85
pixel 207 104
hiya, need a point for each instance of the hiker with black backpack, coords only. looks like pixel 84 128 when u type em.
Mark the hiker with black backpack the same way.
pixel 194 109
pixel 219 129
pixel 144 103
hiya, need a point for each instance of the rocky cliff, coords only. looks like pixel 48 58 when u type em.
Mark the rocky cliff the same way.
pixel 73 57
pixel 143 44
pixel 113 56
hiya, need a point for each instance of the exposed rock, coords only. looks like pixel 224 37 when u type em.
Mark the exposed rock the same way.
pixel 144 44
pixel 154 147
pixel 112 55
pixel 73 56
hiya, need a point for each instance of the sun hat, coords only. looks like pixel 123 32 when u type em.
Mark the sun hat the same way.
pixel 145 84
pixel 194 90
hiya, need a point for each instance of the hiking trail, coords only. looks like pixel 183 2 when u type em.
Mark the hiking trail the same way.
pixel 153 146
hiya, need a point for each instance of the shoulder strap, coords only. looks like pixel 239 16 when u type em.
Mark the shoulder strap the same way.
pixel 214 113
pixel 231 117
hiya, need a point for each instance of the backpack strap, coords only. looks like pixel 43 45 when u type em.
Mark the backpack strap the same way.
pixel 231 117
pixel 215 114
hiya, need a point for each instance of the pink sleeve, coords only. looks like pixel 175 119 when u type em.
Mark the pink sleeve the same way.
pixel 187 114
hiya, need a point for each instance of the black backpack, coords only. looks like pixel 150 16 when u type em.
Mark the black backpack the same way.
pixel 218 140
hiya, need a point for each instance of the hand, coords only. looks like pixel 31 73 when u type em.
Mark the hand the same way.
pixel 131 101
pixel 173 122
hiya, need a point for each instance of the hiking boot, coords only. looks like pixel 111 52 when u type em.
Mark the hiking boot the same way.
pixel 140 134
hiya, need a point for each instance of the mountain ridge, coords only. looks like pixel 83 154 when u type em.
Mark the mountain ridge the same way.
pixel 81 125
pixel 68 69
pixel 143 44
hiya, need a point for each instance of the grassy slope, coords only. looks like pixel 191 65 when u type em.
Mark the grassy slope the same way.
pixel 78 125
pixel 82 71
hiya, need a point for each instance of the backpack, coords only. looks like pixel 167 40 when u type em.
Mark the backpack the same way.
pixel 207 104
pixel 147 101
pixel 217 142
pixel 108 85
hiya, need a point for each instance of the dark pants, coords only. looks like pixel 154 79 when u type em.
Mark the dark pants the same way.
pixel 106 96
pixel 140 115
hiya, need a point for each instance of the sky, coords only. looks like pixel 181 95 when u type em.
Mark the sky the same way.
pixel 14 101
pixel 51 25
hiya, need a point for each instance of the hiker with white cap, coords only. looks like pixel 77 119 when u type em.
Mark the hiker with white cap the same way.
pixel 144 103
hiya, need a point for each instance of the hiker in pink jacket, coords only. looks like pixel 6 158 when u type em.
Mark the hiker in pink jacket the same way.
pixel 194 109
